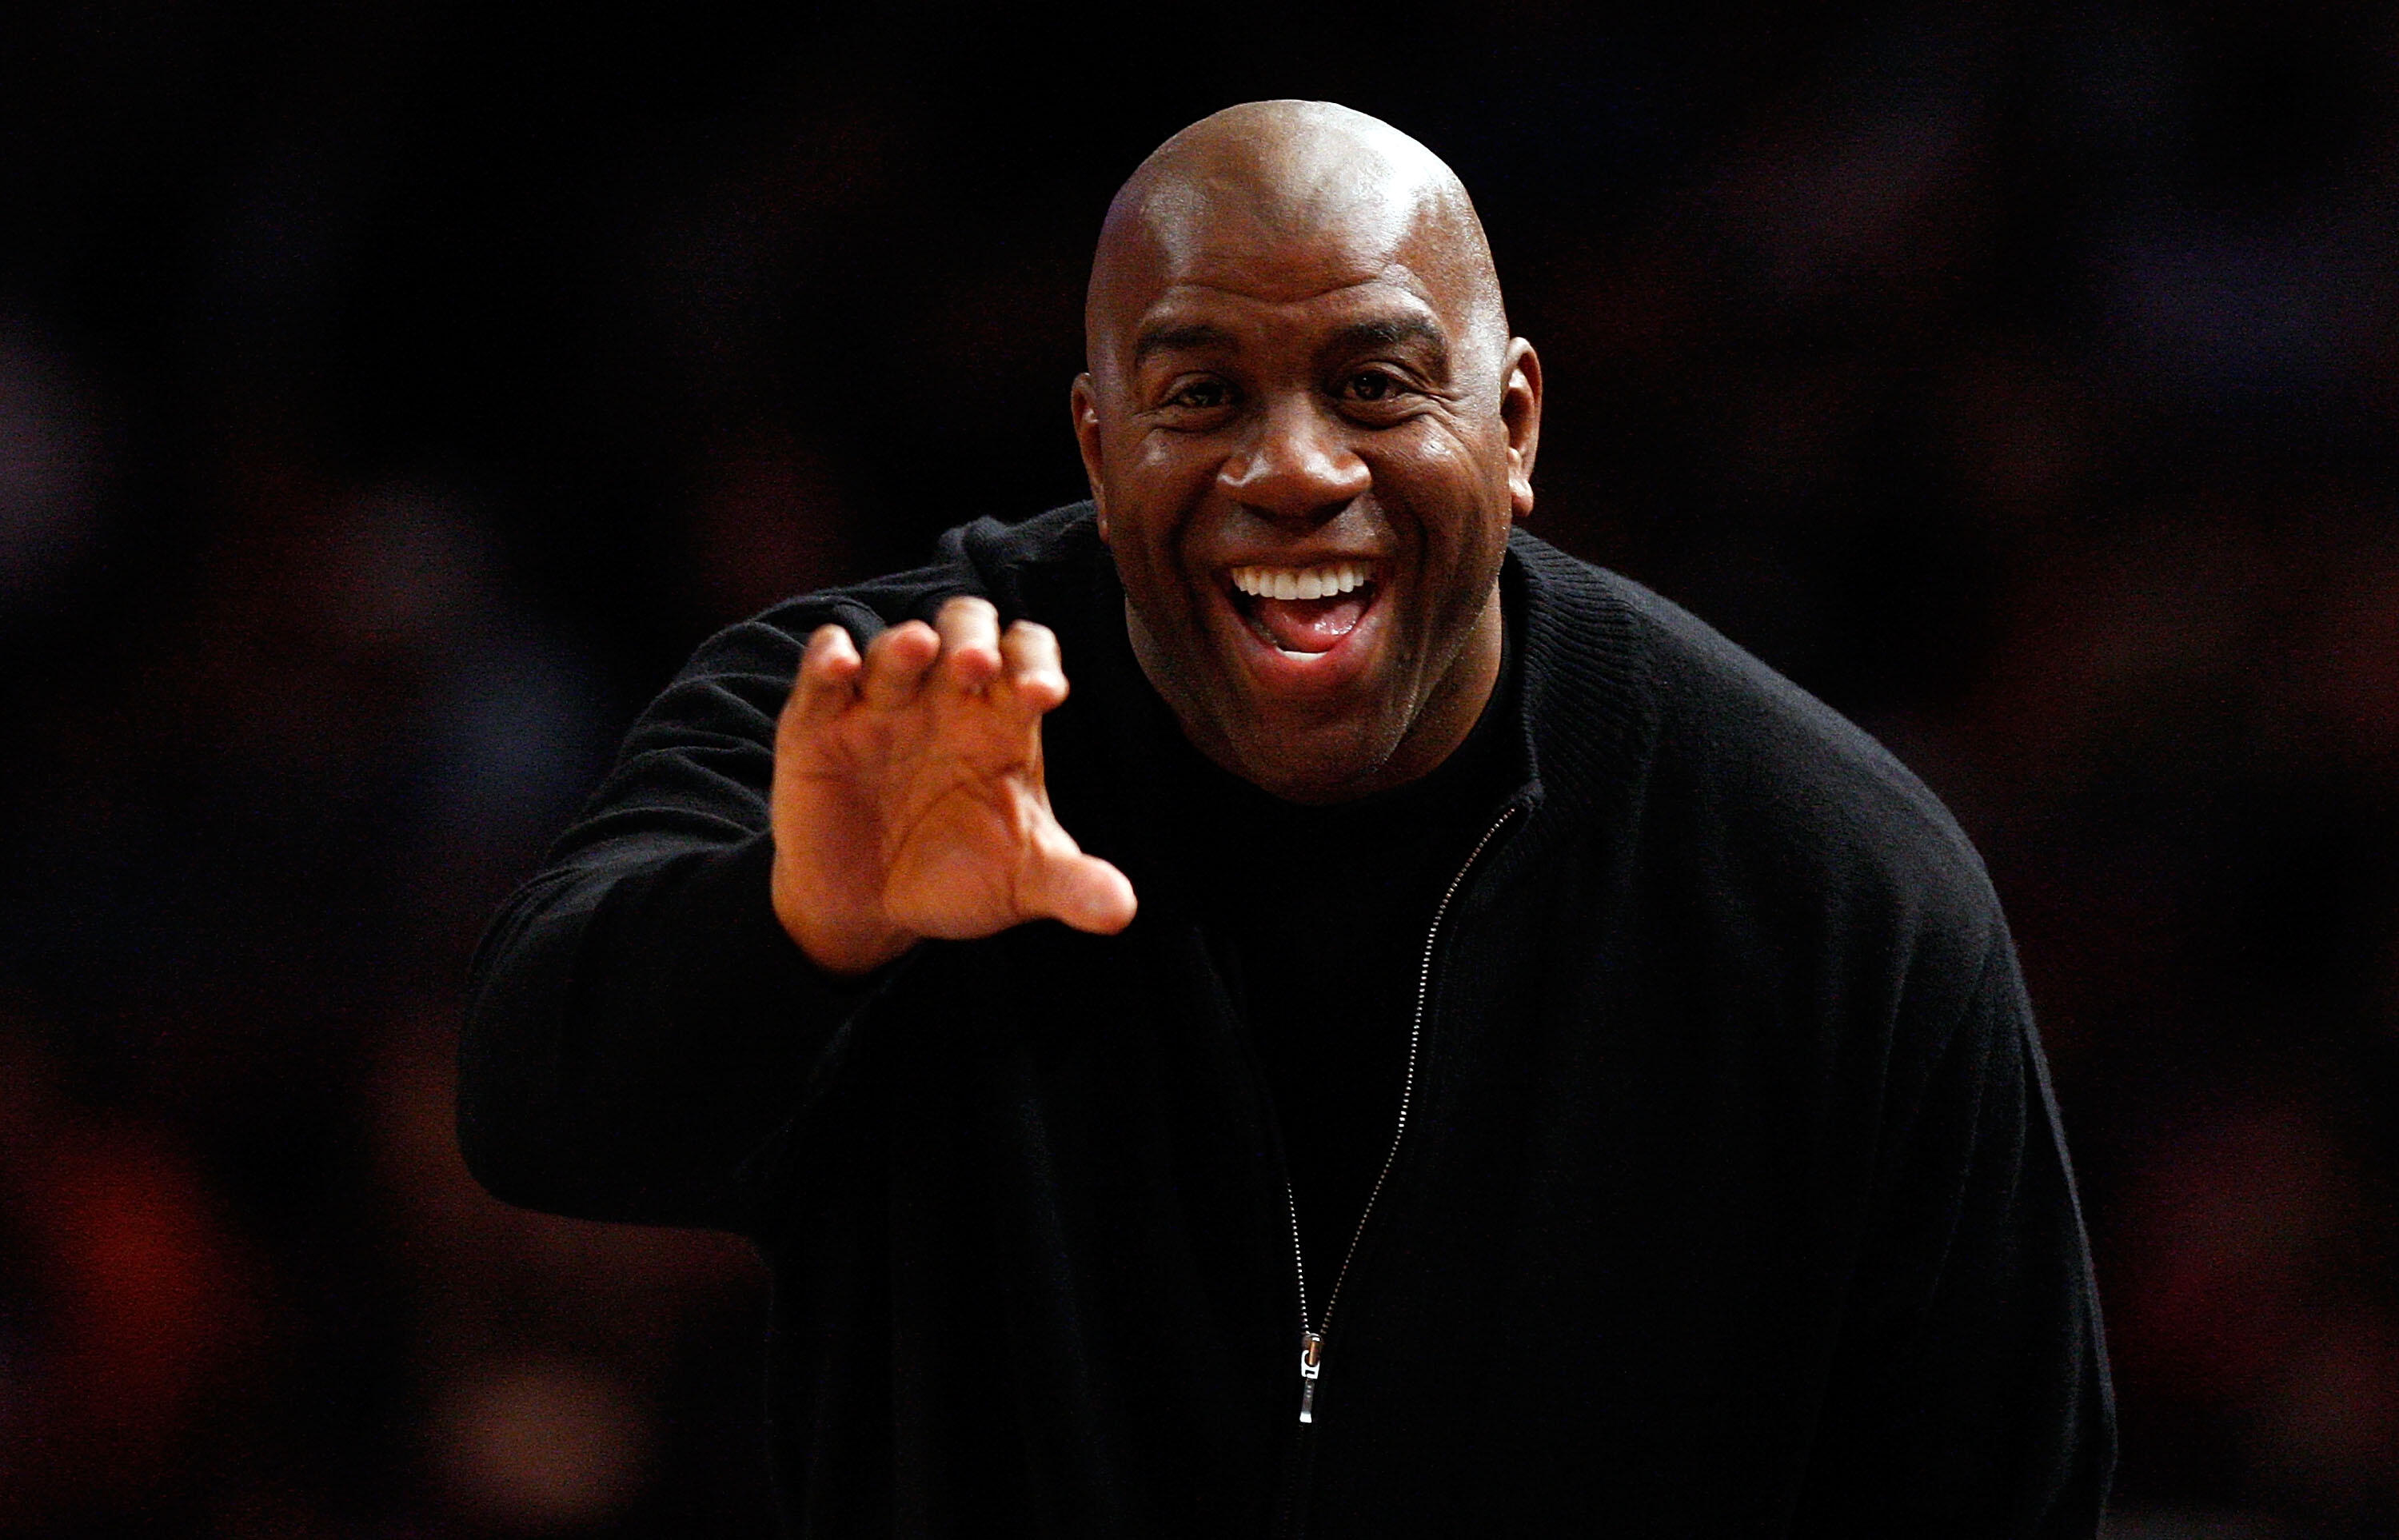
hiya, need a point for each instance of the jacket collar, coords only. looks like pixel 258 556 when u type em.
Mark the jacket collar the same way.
pixel 1589 711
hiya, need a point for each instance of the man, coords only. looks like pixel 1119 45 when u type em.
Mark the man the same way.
pixel 1509 1063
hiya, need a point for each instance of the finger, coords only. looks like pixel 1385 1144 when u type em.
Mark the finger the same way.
pixel 1083 891
pixel 828 678
pixel 969 632
pixel 895 662
pixel 1029 658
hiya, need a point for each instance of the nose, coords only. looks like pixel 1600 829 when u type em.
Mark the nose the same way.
pixel 1296 466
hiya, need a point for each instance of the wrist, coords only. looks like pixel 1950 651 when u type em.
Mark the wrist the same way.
pixel 845 947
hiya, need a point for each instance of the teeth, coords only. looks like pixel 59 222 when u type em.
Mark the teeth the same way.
pixel 1302 582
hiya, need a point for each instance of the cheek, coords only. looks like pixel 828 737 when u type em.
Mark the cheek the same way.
pixel 1147 515
pixel 1442 483
pixel 1161 491
pixel 1445 465
pixel 1166 467
pixel 1443 454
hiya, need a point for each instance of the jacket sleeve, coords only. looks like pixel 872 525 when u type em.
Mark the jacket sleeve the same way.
pixel 640 1025
pixel 1969 1395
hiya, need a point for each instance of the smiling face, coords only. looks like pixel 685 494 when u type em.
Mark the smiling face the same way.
pixel 1308 432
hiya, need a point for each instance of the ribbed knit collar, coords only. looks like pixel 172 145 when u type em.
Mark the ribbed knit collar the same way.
pixel 1590 711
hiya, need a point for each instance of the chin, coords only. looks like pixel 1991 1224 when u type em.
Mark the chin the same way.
pixel 1334 768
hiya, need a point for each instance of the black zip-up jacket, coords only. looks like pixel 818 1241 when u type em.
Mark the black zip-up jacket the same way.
pixel 1731 1199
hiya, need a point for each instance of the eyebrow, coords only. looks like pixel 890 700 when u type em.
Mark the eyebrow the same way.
pixel 1358 336
pixel 1180 339
pixel 1390 332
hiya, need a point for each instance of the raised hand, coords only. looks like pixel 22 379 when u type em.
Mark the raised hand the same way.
pixel 908 798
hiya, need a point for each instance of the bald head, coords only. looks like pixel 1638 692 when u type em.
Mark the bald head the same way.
pixel 1307 434
pixel 1271 198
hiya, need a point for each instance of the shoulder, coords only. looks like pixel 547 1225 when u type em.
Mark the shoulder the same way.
pixel 1013 563
pixel 1740 777
pixel 735 681
pixel 1004 562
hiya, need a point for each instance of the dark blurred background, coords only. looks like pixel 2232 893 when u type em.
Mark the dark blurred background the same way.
pixel 391 394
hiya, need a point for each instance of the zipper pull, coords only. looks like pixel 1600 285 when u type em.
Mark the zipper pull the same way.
pixel 1311 1364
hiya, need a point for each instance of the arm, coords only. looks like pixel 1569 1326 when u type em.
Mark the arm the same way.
pixel 1969 1393
pixel 640 980
pixel 672 990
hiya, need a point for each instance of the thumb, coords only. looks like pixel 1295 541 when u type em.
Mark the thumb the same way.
pixel 1083 891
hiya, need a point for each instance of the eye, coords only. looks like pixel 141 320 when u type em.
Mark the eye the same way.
pixel 1370 385
pixel 1200 395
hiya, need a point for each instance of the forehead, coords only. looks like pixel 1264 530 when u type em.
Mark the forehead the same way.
pixel 1386 310
pixel 1244 238
pixel 1254 276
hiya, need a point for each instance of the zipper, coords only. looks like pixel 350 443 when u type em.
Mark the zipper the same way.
pixel 1312 1329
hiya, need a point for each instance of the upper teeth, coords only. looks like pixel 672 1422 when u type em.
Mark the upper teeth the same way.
pixel 1301 582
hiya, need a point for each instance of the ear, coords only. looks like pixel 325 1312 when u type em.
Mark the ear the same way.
pixel 1520 410
pixel 1084 403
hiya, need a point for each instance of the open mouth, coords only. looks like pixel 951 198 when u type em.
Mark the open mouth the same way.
pixel 1303 612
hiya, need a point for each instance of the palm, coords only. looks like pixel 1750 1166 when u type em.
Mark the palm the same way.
pixel 909 799
pixel 943 801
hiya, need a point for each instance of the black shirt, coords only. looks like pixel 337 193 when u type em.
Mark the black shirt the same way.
pixel 1318 916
